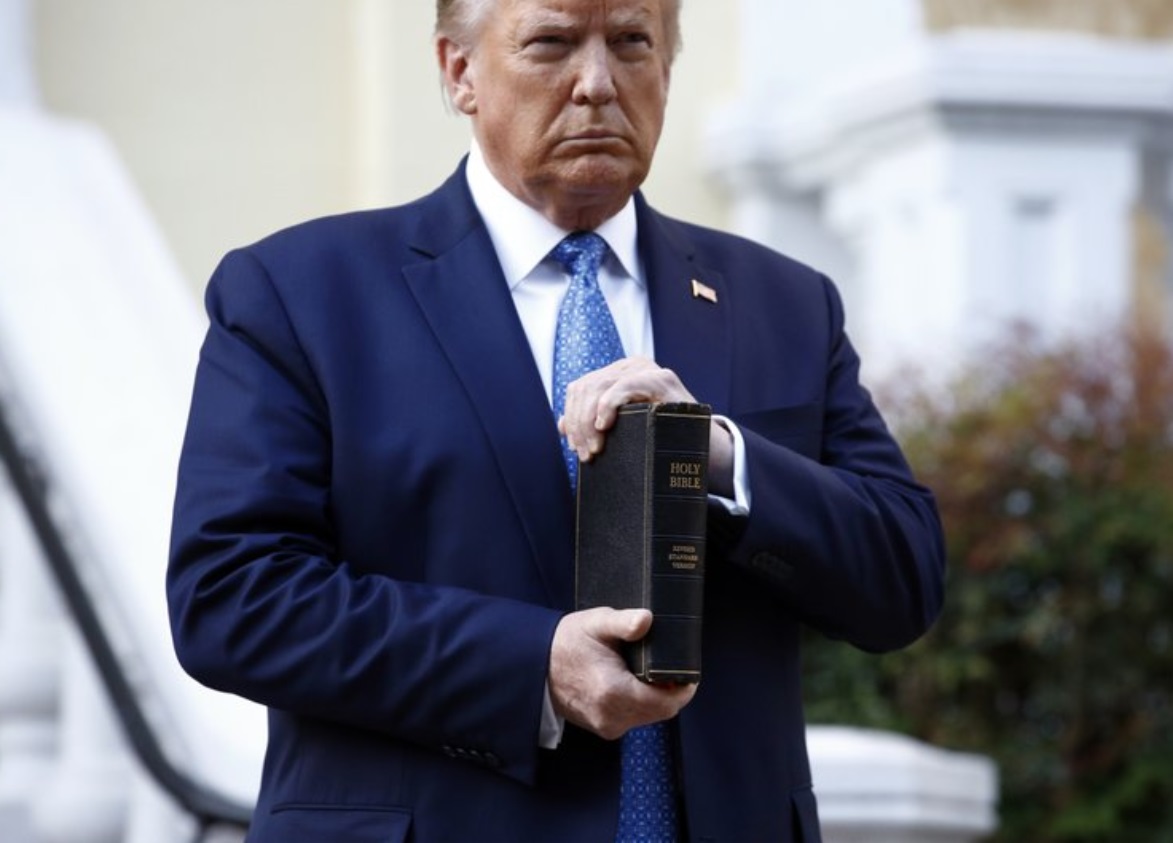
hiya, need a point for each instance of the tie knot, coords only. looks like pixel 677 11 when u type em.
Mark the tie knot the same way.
pixel 581 253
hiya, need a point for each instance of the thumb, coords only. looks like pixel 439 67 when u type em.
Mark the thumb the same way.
pixel 630 624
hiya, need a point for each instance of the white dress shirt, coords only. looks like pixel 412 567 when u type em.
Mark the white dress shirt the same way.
pixel 523 240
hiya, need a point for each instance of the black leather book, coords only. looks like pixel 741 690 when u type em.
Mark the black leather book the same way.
pixel 640 540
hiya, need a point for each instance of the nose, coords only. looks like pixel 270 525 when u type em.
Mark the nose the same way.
pixel 595 82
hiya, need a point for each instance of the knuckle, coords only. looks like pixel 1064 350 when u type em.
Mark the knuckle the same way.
pixel 610 732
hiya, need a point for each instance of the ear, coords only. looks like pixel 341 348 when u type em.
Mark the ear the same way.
pixel 456 72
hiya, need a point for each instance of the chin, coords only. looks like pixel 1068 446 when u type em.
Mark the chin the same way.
pixel 602 175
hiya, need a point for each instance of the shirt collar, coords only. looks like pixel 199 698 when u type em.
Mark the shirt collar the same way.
pixel 523 237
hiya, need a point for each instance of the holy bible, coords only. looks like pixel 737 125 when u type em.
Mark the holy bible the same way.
pixel 640 539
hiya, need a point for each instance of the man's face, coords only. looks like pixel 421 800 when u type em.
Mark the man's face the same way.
pixel 567 100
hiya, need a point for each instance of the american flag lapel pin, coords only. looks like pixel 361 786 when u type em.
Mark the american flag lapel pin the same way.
pixel 703 291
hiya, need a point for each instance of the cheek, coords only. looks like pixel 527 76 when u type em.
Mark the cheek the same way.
pixel 533 112
pixel 537 129
pixel 645 107
pixel 648 121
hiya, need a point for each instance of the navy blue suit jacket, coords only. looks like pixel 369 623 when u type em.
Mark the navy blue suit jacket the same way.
pixel 373 531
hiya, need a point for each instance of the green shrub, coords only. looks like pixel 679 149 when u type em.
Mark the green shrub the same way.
pixel 1053 469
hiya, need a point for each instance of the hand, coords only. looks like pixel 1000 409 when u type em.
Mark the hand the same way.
pixel 593 402
pixel 589 682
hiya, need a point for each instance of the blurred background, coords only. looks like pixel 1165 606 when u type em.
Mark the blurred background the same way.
pixel 990 183
pixel 237 119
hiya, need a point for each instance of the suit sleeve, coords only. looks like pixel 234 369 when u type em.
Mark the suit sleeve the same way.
pixel 261 604
pixel 845 535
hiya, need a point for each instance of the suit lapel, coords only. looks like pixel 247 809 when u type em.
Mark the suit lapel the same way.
pixel 464 297
pixel 692 333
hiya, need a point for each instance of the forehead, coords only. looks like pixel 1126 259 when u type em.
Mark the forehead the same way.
pixel 646 12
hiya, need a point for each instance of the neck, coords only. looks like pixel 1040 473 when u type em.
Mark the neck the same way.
pixel 582 218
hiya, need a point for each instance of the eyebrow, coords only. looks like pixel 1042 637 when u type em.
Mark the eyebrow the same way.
pixel 552 19
pixel 641 16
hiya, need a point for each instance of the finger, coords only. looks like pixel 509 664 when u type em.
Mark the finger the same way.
pixel 593 401
pixel 582 402
pixel 652 703
pixel 630 624
pixel 607 624
pixel 651 383
pixel 572 420
pixel 591 686
pixel 606 412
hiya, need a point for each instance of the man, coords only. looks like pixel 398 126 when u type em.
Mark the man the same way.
pixel 374 526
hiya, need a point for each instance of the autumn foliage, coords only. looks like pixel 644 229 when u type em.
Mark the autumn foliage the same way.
pixel 1053 469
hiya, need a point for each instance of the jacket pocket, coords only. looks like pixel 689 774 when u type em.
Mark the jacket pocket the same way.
pixel 331 824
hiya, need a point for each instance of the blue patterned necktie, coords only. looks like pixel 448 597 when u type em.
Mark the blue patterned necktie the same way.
pixel 586 340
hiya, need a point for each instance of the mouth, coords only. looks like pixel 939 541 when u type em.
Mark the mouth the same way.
pixel 594 134
pixel 594 138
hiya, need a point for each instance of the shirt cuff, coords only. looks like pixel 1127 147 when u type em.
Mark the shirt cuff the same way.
pixel 552 726
pixel 740 503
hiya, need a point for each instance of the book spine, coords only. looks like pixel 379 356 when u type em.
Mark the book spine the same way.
pixel 677 479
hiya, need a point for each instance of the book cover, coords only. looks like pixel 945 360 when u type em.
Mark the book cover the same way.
pixel 640 539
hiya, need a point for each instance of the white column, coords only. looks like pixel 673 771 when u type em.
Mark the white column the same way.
pixel 898 213
pixel 17 82
pixel 1049 227
pixel 85 798
pixel 29 660
pixel 29 624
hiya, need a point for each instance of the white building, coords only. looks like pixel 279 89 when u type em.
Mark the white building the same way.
pixel 958 163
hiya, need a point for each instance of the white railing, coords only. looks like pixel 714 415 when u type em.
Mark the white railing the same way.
pixel 98 337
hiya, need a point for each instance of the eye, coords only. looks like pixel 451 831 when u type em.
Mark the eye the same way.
pixel 547 44
pixel 635 41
